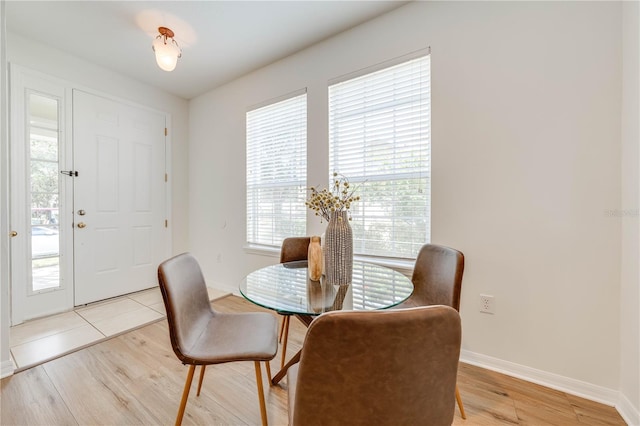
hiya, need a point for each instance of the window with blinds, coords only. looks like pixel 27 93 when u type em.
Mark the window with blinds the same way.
pixel 379 138
pixel 277 171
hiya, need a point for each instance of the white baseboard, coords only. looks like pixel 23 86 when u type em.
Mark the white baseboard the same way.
pixel 554 381
pixel 223 287
pixel 6 368
pixel 629 413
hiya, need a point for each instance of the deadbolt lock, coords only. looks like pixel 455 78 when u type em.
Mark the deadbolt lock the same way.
pixel 13 234
pixel 81 212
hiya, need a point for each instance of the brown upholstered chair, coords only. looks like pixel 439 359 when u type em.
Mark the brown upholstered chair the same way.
pixel 437 277
pixel 293 249
pixel 437 280
pixel 393 367
pixel 201 336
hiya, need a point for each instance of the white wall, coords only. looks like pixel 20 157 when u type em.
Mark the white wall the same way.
pixel 630 216
pixel 6 366
pixel 526 165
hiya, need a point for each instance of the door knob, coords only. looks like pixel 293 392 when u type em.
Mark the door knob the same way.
pixel 13 234
pixel 82 225
pixel 81 212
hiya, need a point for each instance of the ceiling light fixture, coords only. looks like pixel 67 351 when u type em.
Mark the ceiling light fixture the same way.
pixel 167 52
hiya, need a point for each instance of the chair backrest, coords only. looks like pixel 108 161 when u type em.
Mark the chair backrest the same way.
pixel 394 367
pixel 437 277
pixel 186 300
pixel 294 248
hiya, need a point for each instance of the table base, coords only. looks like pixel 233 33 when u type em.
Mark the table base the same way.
pixel 306 320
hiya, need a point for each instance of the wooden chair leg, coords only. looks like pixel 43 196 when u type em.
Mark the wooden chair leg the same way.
pixel 284 343
pixel 460 406
pixel 263 407
pixel 268 365
pixel 185 394
pixel 283 324
pixel 201 378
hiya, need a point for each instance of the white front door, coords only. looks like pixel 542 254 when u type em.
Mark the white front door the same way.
pixel 120 233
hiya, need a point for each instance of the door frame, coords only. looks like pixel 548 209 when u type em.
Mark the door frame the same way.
pixel 16 116
pixel 21 81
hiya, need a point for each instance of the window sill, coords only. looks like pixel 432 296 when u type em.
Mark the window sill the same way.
pixel 262 250
pixel 404 266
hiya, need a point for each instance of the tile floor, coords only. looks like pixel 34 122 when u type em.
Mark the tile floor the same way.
pixel 44 339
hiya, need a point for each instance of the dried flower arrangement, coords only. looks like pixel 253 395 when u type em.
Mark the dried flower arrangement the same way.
pixel 339 198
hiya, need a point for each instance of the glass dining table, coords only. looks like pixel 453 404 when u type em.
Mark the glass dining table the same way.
pixel 287 289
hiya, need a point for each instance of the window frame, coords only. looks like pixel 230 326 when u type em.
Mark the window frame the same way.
pixel 253 241
pixel 374 72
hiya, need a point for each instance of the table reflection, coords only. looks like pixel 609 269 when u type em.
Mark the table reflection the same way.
pixel 287 288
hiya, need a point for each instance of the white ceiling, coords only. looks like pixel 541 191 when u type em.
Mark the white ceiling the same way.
pixel 220 40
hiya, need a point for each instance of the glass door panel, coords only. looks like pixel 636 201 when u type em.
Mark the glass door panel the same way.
pixel 44 193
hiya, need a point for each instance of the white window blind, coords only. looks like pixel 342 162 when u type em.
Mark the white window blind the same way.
pixel 277 171
pixel 379 138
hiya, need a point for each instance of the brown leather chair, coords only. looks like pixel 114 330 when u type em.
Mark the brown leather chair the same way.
pixel 293 249
pixel 437 277
pixel 393 367
pixel 201 336
pixel 437 280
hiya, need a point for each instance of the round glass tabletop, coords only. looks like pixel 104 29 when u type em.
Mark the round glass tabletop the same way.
pixel 286 288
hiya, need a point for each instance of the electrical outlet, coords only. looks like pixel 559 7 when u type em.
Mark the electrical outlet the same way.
pixel 487 304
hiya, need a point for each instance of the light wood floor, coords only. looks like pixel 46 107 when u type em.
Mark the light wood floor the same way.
pixel 136 379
